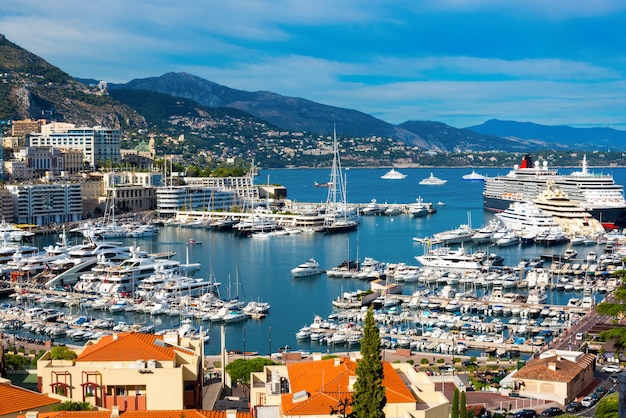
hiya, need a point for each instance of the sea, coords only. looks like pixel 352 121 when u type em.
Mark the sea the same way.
pixel 259 269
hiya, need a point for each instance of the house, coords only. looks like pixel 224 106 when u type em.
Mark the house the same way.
pixel 15 400
pixel 315 388
pixel 115 413
pixel 130 371
pixel 556 375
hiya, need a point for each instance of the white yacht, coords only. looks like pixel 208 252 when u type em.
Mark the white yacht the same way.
pixel 463 233
pixel 446 258
pixel 124 277
pixel 474 176
pixel 433 181
pixel 393 175
pixel 308 268
pixel 522 218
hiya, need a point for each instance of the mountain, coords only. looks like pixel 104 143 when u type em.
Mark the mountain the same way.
pixel 301 115
pixel 555 137
pixel 32 88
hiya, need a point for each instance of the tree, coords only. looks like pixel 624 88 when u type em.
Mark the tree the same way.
pixel 369 397
pixel 62 352
pixel 455 404
pixel 240 369
pixel 608 406
pixel 73 406
pixel 462 407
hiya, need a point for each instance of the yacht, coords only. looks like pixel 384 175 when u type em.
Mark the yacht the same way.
pixel 338 217
pixel 124 277
pixel 473 176
pixel 393 175
pixel 597 193
pixel 433 181
pixel 483 235
pixel 526 218
pixel 455 236
pixel 446 258
pixel 308 268
pixel 536 297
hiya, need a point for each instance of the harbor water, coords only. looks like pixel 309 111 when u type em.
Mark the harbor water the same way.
pixel 259 269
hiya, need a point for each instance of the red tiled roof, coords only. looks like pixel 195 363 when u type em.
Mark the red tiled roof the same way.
pixel 566 370
pixel 15 399
pixel 327 383
pixel 128 346
pixel 186 413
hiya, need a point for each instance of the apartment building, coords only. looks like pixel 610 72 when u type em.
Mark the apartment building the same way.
pixel 46 203
pixel 99 145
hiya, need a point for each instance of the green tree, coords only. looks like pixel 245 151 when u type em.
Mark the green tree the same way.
pixel 608 406
pixel 455 404
pixel 240 369
pixel 62 352
pixel 462 407
pixel 72 406
pixel 369 397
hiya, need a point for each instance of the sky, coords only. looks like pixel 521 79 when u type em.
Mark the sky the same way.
pixel 460 62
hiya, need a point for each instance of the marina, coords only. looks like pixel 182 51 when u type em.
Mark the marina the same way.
pixel 259 271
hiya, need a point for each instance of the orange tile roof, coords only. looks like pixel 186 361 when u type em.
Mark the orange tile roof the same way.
pixel 327 383
pixel 186 413
pixel 127 346
pixel 15 399
pixel 566 370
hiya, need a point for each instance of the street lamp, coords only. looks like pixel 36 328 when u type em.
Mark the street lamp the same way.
pixel 244 342
pixel 270 340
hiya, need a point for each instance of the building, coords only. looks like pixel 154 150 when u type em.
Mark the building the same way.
pixel 129 371
pixel 115 413
pixel 46 203
pixel 557 375
pixel 313 388
pixel 23 128
pixel 131 191
pixel 99 145
pixel 172 199
pixel 15 400
pixel 34 162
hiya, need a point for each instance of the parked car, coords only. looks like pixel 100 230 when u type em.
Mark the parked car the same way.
pixel 587 401
pixel 611 368
pixel 573 407
pixel 526 413
pixel 469 363
pixel 552 412
pixel 579 336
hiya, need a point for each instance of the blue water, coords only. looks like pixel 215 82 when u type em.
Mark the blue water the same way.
pixel 262 267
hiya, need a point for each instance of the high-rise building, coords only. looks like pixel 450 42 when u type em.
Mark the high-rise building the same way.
pixel 99 145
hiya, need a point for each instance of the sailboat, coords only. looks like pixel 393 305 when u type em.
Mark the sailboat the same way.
pixel 338 218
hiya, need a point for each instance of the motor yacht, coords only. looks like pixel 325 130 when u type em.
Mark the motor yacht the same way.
pixel 433 181
pixel 393 175
pixel 308 268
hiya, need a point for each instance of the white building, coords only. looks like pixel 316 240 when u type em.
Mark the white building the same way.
pixel 43 204
pixel 98 144
pixel 172 199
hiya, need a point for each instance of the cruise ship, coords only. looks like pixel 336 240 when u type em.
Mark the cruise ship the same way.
pixel 596 193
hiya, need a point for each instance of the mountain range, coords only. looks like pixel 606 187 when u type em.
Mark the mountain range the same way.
pixel 31 87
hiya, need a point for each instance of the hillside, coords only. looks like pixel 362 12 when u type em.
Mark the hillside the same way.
pixel 556 137
pixel 32 88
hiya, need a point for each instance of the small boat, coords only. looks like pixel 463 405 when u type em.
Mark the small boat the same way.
pixel 433 181
pixel 194 242
pixel 308 268
pixel 473 176
pixel 325 185
pixel 440 203
pixel 393 175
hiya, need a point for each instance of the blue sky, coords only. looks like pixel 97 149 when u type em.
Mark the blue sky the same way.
pixel 461 62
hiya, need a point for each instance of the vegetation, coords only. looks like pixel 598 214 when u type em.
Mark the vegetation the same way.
pixel 617 310
pixel 62 352
pixel 369 397
pixel 455 404
pixel 240 369
pixel 72 406
pixel 462 407
pixel 608 406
